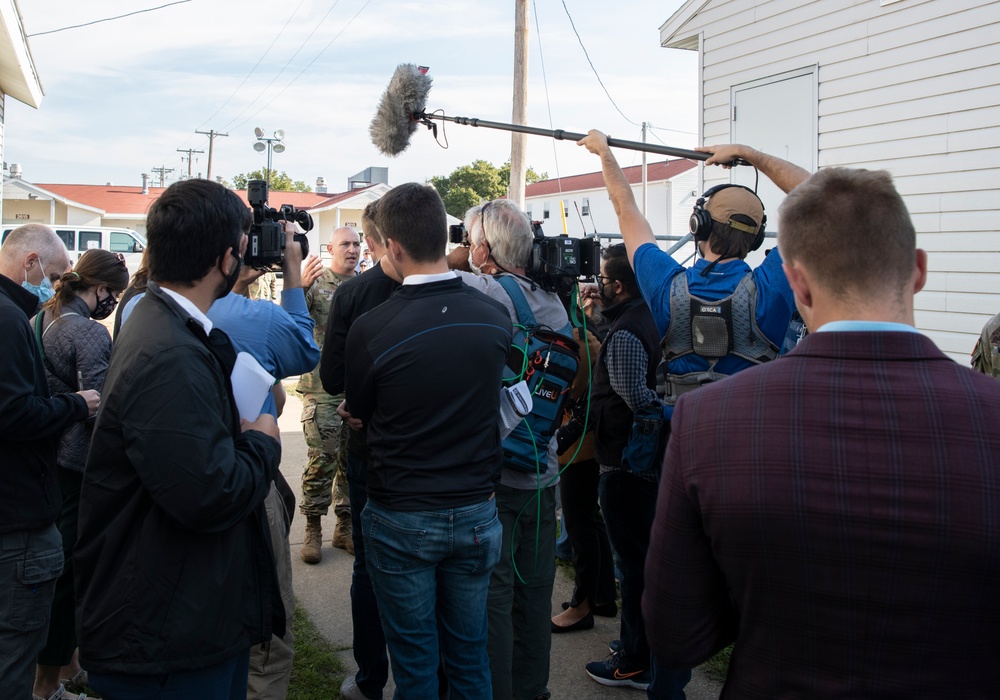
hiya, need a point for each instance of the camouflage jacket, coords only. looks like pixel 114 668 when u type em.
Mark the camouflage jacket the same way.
pixel 318 298
pixel 986 354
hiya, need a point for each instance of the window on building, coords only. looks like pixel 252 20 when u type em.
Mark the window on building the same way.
pixel 585 209
pixel 545 210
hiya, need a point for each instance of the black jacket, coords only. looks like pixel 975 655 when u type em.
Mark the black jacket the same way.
pixel 613 418
pixel 174 568
pixel 356 296
pixel 424 372
pixel 30 421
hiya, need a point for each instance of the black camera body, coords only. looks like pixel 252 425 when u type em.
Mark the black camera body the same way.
pixel 558 262
pixel 266 239
pixel 458 234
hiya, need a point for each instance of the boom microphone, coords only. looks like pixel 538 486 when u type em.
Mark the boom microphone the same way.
pixel 406 95
pixel 401 110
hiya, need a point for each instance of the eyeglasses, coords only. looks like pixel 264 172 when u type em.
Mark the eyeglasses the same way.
pixel 121 259
pixel 601 283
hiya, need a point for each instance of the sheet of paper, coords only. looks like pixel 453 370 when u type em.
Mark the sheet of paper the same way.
pixel 515 404
pixel 251 383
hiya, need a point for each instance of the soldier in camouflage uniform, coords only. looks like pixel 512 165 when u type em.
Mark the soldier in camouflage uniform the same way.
pixel 325 471
pixel 986 354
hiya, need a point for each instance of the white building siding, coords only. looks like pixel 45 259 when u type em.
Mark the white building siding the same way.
pixel 910 87
pixel 669 207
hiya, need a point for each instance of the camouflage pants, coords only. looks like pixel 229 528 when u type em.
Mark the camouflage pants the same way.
pixel 325 472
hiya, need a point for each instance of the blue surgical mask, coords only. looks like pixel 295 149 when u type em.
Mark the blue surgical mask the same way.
pixel 43 291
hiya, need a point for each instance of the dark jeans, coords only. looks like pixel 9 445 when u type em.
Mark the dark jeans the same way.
pixel 58 649
pixel 629 505
pixel 595 576
pixel 369 640
pixel 431 573
pixel 225 681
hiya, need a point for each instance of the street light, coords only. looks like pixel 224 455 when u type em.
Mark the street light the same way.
pixel 272 144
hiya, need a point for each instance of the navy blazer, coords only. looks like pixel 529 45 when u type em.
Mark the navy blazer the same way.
pixel 836 513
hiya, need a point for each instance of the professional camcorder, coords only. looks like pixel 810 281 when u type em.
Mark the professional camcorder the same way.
pixel 266 244
pixel 557 262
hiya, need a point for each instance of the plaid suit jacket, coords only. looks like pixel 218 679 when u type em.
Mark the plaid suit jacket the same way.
pixel 836 513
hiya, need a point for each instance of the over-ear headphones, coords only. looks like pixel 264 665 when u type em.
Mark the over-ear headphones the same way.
pixel 701 221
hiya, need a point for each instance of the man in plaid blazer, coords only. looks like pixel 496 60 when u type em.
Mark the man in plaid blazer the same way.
pixel 835 513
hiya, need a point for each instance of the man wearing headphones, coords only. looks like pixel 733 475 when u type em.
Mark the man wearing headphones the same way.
pixel 698 310
pixel 715 318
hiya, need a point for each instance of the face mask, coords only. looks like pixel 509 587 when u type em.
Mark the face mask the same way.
pixel 105 307
pixel 473 266
pixel 230 279
pixel 43 291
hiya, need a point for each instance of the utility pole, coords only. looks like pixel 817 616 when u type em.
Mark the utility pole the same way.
pixel 211 142
pixel 644 183
pixel 519 142
pixel 162 172
pixel 190 156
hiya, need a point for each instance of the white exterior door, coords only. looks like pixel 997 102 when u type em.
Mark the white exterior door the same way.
pixel 776 115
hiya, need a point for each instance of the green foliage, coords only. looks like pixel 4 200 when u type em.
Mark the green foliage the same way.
pixel 280 182
pixel 316 670
pixel 468 185
pixel 717 667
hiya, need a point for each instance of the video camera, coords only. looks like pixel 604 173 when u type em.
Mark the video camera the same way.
pixel 557 262
pixel 266 244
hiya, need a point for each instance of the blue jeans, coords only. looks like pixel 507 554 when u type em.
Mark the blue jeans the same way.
pixel 629 505
pixel 225 681
pixel 30 563
pixel 431 573
pixel 369 640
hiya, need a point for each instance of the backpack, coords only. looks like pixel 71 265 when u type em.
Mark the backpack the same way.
pixel 547 362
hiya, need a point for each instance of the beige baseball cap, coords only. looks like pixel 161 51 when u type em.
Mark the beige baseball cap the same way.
pixel 737 207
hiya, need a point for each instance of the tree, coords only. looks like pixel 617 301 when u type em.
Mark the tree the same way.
pixel 468 185
pixel 280 182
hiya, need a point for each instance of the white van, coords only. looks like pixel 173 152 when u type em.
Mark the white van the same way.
pixel 82 238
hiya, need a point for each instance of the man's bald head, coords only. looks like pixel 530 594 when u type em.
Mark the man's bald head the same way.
pixel 31 249
pixel 345 250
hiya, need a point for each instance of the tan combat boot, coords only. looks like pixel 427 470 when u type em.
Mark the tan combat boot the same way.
pixel 311 548
pixel 342 536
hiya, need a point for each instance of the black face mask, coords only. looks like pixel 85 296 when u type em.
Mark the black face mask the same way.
pixel 232 277
pixel 105 307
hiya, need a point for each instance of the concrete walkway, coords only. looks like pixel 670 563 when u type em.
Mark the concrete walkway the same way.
pixel 323 590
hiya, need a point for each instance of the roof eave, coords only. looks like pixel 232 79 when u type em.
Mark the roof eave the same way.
pixel 18 77
pixel 672 35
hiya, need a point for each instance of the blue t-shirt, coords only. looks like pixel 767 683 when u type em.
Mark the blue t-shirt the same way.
pixel 280 338
pixel 655 270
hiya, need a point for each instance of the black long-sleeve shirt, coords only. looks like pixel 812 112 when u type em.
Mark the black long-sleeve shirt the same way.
pixel 424 373
pixel 356 296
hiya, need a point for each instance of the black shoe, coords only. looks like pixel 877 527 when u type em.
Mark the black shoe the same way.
pixel 615 645
pixel 584 623
pixel 616 671
pixel 605 609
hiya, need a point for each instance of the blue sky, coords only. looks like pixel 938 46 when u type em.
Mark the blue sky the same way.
pixel 122 96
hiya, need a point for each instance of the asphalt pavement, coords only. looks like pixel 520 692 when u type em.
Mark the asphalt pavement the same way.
pixel 323 590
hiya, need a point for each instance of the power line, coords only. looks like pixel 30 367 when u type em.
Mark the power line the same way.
pixel 283 68
pixel 108 19
pixel 615 104
pixel 548 103
pixel 307 67
pixel 256 65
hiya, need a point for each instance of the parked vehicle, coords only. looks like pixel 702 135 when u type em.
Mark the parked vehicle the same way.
pixel 81 238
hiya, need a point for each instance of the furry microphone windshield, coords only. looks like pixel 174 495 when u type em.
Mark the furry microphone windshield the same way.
pixel 406 95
